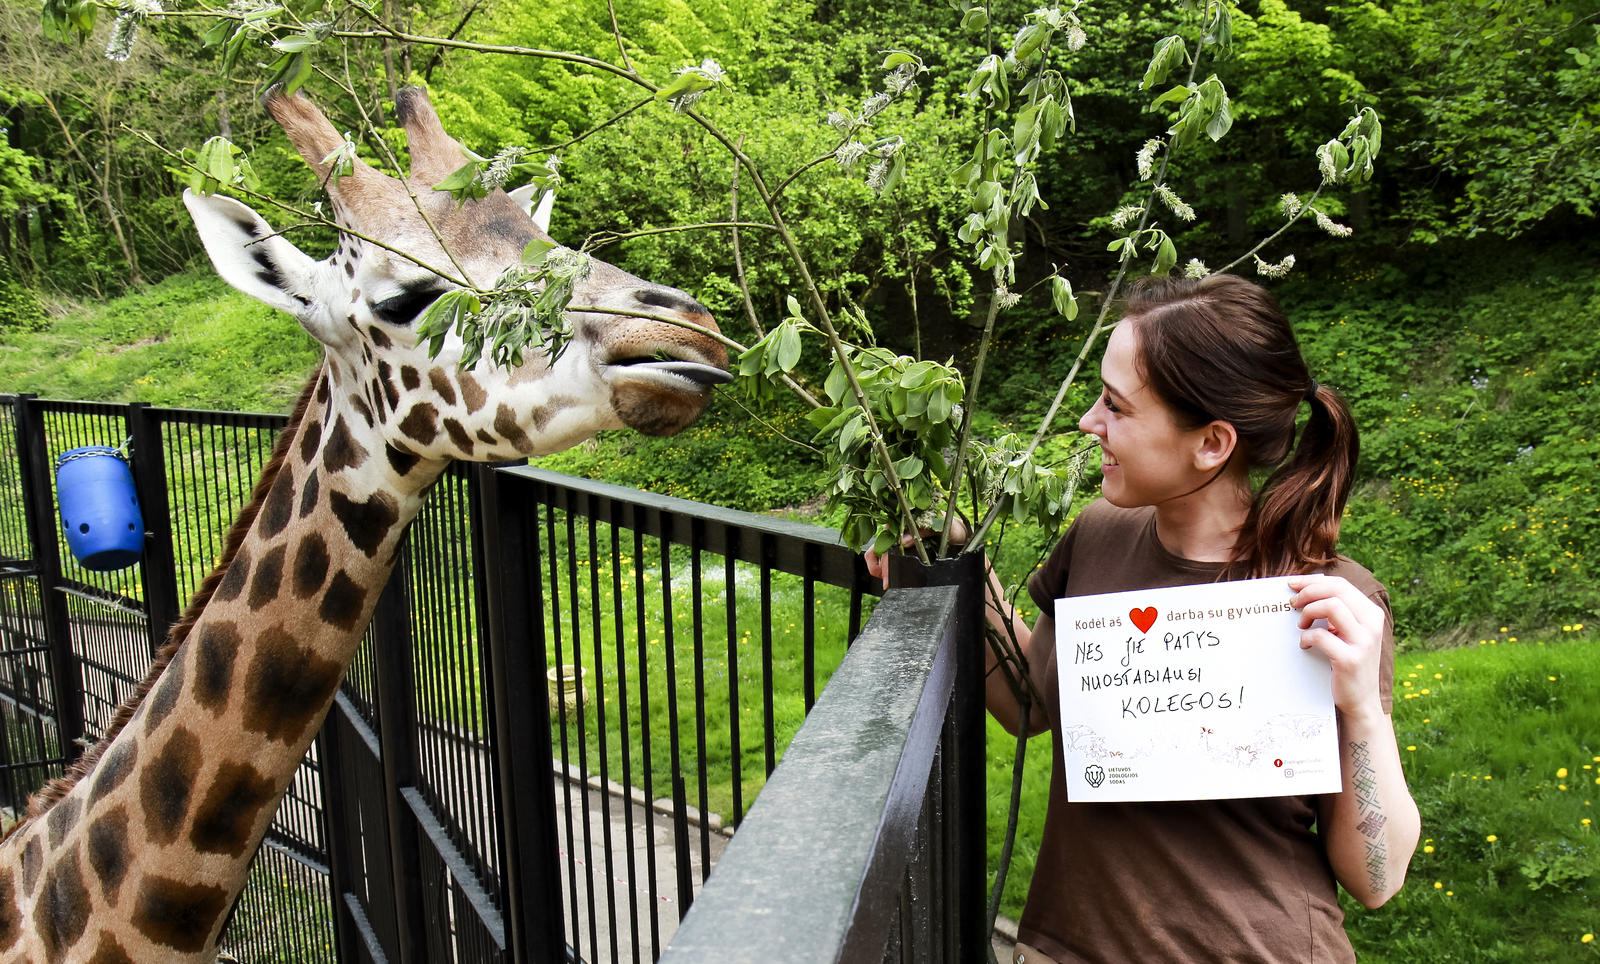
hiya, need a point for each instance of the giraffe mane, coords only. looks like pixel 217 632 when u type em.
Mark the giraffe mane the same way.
pixel 53 791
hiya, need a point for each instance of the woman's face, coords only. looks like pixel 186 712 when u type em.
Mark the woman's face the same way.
pixel 1147 458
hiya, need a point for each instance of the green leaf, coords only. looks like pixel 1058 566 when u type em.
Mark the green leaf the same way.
pixel 899 58
pixel 1170 53
pixel 295 44
pixel 975 19
pixel 1062 298
pixel 788 353
pixel 534 251
pixel 685 83
pixel 1166 256
pixel 1173 94
pixel 793 305
pixel 908 467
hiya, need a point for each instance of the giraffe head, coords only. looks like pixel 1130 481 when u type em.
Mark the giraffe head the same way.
pixel 362 304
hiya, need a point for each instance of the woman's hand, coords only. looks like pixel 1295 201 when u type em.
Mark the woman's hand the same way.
pixel 1349 634
pixel 878 565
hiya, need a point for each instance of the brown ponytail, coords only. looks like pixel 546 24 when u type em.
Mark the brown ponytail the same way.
pixel 1220 349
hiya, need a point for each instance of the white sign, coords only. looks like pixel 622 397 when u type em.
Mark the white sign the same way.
pixel 1193 693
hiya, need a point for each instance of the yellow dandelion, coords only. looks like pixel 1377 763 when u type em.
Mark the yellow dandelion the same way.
pixel 1551 678
pixel 1426 720
pixel 1412 749
pixel 1426 691
pixel 1584 821
pixel 1427 849
pixel 1438 676
pixel 1491 838
pixel 1438 885
pixel 1587 939
pixel 1562 773
pixel 1502 629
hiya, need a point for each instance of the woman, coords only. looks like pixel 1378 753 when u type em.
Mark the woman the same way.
pixel 1202 384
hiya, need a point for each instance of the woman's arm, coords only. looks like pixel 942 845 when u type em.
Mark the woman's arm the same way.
pixel 1370 828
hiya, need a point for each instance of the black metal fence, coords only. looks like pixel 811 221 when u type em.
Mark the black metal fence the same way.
pixel 448 810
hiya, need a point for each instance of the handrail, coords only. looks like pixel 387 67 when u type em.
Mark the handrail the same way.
pixel 818 860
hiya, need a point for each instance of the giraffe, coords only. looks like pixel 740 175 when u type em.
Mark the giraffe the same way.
pixel 139 853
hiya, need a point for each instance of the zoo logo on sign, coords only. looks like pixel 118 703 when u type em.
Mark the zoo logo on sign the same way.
pixel 1095 774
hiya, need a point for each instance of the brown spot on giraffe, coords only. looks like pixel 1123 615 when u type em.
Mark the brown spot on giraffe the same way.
pixel 505 424
pixel 366 523
pixel 310 565
pixel 310 438
pixel 10 914
pixel 110 951
pixel 233 581
pixel 166 785
pixel 362 409
pixel 62 911
pixel 386 381
pixel 32 860
pixel 61 819
pixel 279 507
pixel 421 423
pixel 440 382
pixel 342 451
pixel 268 577
pixel 410 378
pixel 378 337
pixel 162 699
pixel 402 460
pixel 224 823
pixel 485 437
pixel 286 686
pixel 309 493
pixel 459 436
pixel 322 388
pixel 343 604
pixel 109 856
pixel 114 768
pixel 216 650
pixel 472 393
pixel 178 914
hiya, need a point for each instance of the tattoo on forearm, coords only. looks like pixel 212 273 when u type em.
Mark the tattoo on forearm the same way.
pixel 1371 814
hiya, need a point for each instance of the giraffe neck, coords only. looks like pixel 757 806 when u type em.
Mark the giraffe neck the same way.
pixel 149 849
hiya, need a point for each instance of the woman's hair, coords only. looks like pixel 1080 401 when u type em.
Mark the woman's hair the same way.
pixel 1220 349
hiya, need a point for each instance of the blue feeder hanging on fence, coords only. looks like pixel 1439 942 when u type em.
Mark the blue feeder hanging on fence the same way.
pixel 99 508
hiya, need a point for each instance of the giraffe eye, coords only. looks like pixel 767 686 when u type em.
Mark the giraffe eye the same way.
pixel 403 308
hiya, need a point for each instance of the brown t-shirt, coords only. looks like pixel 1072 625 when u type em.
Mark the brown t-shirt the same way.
pixel 1211 880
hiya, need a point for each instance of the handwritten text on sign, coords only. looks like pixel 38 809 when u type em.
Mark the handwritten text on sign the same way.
pixel 1192 693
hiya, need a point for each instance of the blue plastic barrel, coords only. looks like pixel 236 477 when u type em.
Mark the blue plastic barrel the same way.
pixel 99 509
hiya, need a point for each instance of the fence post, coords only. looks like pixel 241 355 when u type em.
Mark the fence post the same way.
pixel 966 828
pixel 34 456
pixel 159 569
pixel 397 735
pixel 508 532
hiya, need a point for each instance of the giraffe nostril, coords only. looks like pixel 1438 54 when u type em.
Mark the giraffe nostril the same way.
pixel 670 299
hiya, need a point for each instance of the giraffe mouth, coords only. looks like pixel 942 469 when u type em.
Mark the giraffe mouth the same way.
pixel 674 371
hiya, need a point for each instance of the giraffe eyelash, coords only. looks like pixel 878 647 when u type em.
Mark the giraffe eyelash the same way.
pixel 403 308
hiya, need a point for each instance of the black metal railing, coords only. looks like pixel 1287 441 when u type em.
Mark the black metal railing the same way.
pixel 449 810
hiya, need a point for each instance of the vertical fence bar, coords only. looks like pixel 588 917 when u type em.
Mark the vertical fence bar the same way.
pixel 159 571
pixel 33 454
pixel 531 872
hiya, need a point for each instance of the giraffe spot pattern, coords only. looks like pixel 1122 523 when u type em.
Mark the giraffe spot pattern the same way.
pixel 216 650
pixel 114 768
pixel 225 821
pixel 268 578
pixel 342 451
pixel 472 393
pixel 459 436
pixel 343 604
pixel 402 459
pixel 286 687
pixel 233 582
pixel 441 385
pixel 366 523
pixel 421 423
pixel 107 845
pixel 10 913
pixel 485 437
pixel 62 912
pixel 32 862
pixel 362 409
pixel 505 423
pixel 322 388
pixel 165 786
pixel 386 381
pixel 308 494
pixel 310 565
pixel 279 507
pixel 410 378
pixel 311 438
pixel 178 914
pixel 62 818
pixel 109 951
pixel 163 698
pixel 378 338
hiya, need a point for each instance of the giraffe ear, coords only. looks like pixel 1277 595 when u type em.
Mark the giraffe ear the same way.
pixel 249 256
pixel 525 197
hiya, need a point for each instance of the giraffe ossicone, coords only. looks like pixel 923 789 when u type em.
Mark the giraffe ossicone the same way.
pixel 139 852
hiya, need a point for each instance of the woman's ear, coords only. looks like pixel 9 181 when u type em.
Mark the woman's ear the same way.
pixel 1214 445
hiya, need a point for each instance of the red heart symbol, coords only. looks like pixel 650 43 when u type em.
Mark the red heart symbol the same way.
pixel 1143 618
